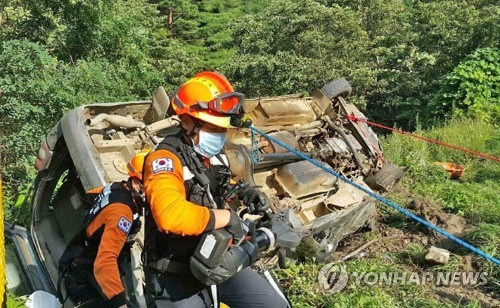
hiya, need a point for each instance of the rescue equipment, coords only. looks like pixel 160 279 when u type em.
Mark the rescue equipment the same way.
pixel 216 259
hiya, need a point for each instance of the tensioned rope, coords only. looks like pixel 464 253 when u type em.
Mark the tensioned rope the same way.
pixel 355 119
pixel 380 198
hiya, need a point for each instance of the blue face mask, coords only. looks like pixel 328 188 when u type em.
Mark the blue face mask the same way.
pixel 210 144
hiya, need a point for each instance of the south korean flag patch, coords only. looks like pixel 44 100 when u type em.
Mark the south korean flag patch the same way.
pixel 124 225
pixel 163 164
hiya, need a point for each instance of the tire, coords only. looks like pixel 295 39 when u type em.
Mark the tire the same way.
pixel 386 177
pixel 337 87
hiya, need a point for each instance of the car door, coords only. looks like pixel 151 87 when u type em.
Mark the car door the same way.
pixel 24 269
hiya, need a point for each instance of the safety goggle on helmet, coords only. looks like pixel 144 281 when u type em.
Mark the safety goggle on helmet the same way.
pixel 209 97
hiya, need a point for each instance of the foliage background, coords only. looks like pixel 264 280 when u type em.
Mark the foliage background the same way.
pixel 414 64
pixel 411 62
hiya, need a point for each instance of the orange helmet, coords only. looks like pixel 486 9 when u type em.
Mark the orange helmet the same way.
pixel 210 97
pixel 135 165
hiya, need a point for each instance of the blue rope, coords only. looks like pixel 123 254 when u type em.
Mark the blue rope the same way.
pixel 383 200
pixel 255 148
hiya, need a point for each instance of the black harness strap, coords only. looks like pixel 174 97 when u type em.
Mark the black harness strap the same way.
pixel 186 155
pixel 165 265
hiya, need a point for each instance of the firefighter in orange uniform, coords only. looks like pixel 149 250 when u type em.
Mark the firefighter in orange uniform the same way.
pixel 89 266
pixel 184 179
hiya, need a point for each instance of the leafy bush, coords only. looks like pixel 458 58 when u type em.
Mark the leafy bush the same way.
pixel 471 88
pixel 33 97
pixel 37 90
pixel 297 46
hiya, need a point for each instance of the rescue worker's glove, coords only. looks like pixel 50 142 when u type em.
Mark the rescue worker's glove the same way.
pixel 255 200
pixel 237 228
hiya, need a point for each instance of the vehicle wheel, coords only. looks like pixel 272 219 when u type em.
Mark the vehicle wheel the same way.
pixel 337 87
pixel 386 177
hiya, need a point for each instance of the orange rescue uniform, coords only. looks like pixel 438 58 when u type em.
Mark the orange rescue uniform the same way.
pixel 166 194
pixel 113 239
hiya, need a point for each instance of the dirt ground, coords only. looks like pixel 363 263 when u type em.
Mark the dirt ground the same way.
pixel 388 241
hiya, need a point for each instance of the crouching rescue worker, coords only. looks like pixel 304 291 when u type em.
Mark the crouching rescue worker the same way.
pixel 89 267
pixel 185 178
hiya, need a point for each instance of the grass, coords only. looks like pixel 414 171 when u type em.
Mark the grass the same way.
pixel 304 291
pixel 413 255
pixel 475 194
pixel 487 238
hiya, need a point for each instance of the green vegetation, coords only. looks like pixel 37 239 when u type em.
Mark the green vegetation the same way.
pixel 413 64
pixel 487 238
pixel 470 87
pixel 304 291
pixel 13 302
pixel 475 194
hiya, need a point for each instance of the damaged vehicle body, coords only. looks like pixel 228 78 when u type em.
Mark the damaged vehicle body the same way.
pixel 91 145
pixel 327 207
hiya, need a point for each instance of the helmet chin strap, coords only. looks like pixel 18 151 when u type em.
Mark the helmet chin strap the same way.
pixel 197 124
